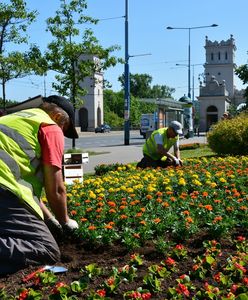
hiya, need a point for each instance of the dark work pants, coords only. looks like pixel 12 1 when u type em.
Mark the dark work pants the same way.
pixel 148 162
pixel 24 239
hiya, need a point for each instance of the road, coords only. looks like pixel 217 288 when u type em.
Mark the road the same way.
pixel 91 140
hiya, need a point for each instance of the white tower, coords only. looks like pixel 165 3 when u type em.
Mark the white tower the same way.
pixel 220 58
pixel 90 115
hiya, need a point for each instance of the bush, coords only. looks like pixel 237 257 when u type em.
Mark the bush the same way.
pixel 230 136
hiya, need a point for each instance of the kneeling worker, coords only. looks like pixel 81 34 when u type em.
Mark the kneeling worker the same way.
pixel 31 149
pixel 157 146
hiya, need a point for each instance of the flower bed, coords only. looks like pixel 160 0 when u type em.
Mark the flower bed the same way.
pixel 181 233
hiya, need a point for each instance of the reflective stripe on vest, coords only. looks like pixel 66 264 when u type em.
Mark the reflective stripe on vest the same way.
pixel 22 142
pixel 11 163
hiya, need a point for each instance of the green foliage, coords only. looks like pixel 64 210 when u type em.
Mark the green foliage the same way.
pixel 15 19
pixel 70 53
pixel 114 107
pixel 140 86
pixel 242 72
pixel 230 136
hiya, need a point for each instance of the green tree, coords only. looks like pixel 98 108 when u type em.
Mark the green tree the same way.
pixel 140 87
pixel 114 109
pixel 70 53
pixel 242 72
pixel 14 21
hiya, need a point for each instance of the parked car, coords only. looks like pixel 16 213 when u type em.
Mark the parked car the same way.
pixel 102 128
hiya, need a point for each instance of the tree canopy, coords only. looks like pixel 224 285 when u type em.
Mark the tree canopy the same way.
pixel 141 87
pixel 71 51
pixel 14 20
pixel 242 73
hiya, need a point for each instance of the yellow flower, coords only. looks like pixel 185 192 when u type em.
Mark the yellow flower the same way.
pixel 196 182
pixel 223 180
pixel 182 181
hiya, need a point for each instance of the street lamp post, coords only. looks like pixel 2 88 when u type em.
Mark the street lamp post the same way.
pixel 127 84
pixel 191 133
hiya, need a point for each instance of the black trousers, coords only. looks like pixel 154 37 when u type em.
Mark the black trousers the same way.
pixel 148 162
pixel 24 238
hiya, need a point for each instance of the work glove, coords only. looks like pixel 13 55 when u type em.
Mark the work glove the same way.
pixel 178 162
pixel 70 226
pixel 54 227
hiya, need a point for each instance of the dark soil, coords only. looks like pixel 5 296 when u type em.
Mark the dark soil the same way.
pixel 76 256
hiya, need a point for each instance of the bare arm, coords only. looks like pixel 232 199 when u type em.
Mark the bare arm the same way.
pixel 55 193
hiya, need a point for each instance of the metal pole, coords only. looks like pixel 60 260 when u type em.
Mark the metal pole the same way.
pixel 189 94
pixel 127 84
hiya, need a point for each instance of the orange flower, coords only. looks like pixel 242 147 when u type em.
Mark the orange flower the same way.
pixel 123 217
pixel 92 227
pixel 173 199
pixel 112 211
pixel 98 210
pixel 149 197
pixel 159 194
pixel 243 207
pixel 208 207
pixel 143 209
pixel 169 192
pixel 186 213
pixel 217 201
pixel 166 204
pixel 132 195
pixel 136 235
pixel 89 209
pixel 143 222
pixel 157 220
pixel 122 207
pixel 108 226
pixel 73 212
pixel 189 220
pixel 217 219
pixel 139 214
pixel 111 204
pixel 159 200
pixel 87 201
pixel 83 219
pixel 77 204
pixel 205 194
pixel 100 204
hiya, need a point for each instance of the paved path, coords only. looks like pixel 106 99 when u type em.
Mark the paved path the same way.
pixel 124 153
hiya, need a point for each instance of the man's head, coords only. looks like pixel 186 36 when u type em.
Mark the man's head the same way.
pixel 175 128
pixel 62 112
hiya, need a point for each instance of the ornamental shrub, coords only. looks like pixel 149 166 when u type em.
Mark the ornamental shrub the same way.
pixel 230 136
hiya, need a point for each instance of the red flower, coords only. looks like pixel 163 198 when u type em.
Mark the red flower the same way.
pixel 169 261
pixel 245 281
pixel 238 266
pixel 23 295
pixel 146 296
pixel 182 289
pixel 101 293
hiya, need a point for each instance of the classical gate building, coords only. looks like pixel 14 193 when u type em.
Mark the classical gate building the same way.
pixel 218 91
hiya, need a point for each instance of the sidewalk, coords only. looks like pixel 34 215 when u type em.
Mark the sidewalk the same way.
pixel 125 154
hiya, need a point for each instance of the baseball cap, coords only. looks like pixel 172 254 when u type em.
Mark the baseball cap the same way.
pixel 177 126
pixel 66 105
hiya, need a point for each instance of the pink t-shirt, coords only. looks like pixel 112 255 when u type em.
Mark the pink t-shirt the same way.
pixel 51 139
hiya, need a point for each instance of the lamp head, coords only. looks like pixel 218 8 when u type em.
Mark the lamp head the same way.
pixel 214 25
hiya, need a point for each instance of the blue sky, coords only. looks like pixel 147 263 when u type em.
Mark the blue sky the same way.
pixel 148 34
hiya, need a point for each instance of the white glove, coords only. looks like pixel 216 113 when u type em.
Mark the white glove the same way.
pixel 177 162
pixel 70 225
